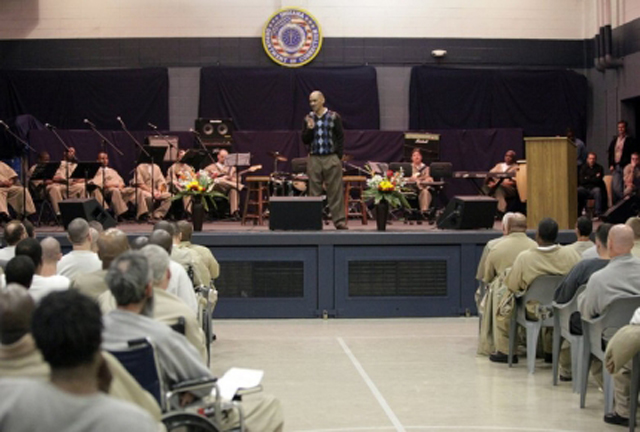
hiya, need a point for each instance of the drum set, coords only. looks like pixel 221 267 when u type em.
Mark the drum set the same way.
pixel 288 184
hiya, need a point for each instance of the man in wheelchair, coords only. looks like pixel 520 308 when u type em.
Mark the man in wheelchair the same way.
pixel 130 283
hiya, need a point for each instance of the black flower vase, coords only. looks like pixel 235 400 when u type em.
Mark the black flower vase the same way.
pixel 197 213
pixel 382 214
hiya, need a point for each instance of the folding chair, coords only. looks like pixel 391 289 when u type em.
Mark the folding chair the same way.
pixel 615 316
pixel 205 312
pixel 561 330
pixel 541 290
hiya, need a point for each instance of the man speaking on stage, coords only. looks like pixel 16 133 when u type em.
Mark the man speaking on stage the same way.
pixel 324 136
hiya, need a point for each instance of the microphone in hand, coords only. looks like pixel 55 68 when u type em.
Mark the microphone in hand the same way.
pixel 309 119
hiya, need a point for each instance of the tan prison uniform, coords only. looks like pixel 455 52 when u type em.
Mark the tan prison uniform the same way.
pixel 58 191
pixel 15 195
pixel 143 176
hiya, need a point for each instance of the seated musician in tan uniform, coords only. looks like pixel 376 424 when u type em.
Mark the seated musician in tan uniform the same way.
pixel 225 181
pixel 14 194
pixel 37 187
pixel 175 173
pixel 149 179
pixel 111 184
pixel 57 190
pixel 502 189
pixel 419 175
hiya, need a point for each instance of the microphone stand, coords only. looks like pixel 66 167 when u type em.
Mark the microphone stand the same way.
pixel 23 161
pixel 135 172
pixel 104 180
pixel 66 162
pixel 168 141
pixel 104 140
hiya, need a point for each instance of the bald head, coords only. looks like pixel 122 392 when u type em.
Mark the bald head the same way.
pixel 186 230
pixel 316 101
pixel 163 239
pixel 517 223
pixel 16 308
pixel 634 224
pixel 14 231
pixel 620 240
pixel 166 226
pixel 111 243
pixel 78 232
pixel 51 252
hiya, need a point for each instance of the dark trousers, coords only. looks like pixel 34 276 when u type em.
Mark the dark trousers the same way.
pixel 327 170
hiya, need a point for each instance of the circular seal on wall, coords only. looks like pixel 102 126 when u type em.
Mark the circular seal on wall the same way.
pixel 292 37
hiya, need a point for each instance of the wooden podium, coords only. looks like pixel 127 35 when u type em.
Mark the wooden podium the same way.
pixel 552 181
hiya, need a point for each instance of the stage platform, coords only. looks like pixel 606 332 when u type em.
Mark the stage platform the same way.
pixel 407 271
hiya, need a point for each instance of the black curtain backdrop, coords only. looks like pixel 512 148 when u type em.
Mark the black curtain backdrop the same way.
pixel 467 150
pixel 261 99
pixel 66 98
pixel 542 103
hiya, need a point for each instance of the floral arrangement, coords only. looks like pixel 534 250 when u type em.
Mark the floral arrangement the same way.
pixel 197 184
pixel 388 187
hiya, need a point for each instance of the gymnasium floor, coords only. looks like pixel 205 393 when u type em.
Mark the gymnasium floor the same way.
pixel 353 375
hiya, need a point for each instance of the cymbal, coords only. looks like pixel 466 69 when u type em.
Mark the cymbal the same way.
pixel 347 157
pixel 277 156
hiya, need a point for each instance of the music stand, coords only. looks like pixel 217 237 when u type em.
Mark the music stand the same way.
pixel 194 158
pixel 86 171
pixel 236 160
pixel 45 171
pixel 407 168
pixel 152 155
pixel 378 167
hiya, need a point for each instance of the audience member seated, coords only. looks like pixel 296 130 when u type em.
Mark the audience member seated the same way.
pixel 503 189
pixel 130 283
pixel 31 230
pixel 225 181
pixel 548 258
pixel 153 188
pixel 634 223
pixel 583 229
pixel 504 253
pixel 490 244
pixel 60 189
pixel 81 259
pixel 14 194
pixel 567 289
pixel 139 242
pixel 618 279
pixel 631 176
pixel 111 243
pixel 618 360
pixel 110 185
pixel 66 328
pixel 19 356
pixel 14 231
pixel 591 186
pixel 186 233
pixel 45 256
pixel 167 308
pixel 186 257
pixel 180 284
pixel 20 270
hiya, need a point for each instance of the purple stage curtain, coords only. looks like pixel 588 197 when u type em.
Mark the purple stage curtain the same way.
pixel 66 98
pixel 467 150
pixel 542 103
pixel 271 99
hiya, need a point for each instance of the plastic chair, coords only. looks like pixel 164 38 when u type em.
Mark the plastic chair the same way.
pixel 541 290
pixel 561 330
pixel 205 312
pixel 615 316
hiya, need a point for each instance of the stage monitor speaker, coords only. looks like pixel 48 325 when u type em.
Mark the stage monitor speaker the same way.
pixel 215 131
pixel 85 208
pixel 295 213
pixel 469 212
pixel 622 211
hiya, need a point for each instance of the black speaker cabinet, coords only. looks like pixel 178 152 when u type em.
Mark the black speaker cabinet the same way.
pixel 85 208
pixel 215 130
pixel 469 212
pixel 622 211
pixel 295 213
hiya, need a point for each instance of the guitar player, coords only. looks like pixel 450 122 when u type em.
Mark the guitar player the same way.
pixel 503 188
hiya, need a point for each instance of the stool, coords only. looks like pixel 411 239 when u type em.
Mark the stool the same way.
pixel 359 206
pixel 256 199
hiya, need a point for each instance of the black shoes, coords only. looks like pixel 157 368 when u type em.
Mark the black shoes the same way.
pixel 614 418
pixel 500 357
pixel 565 378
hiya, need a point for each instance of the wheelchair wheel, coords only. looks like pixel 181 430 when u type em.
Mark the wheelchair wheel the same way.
pixel 188 422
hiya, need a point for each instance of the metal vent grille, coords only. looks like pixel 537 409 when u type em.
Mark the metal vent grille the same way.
pixel 398 278
pixel 261 279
